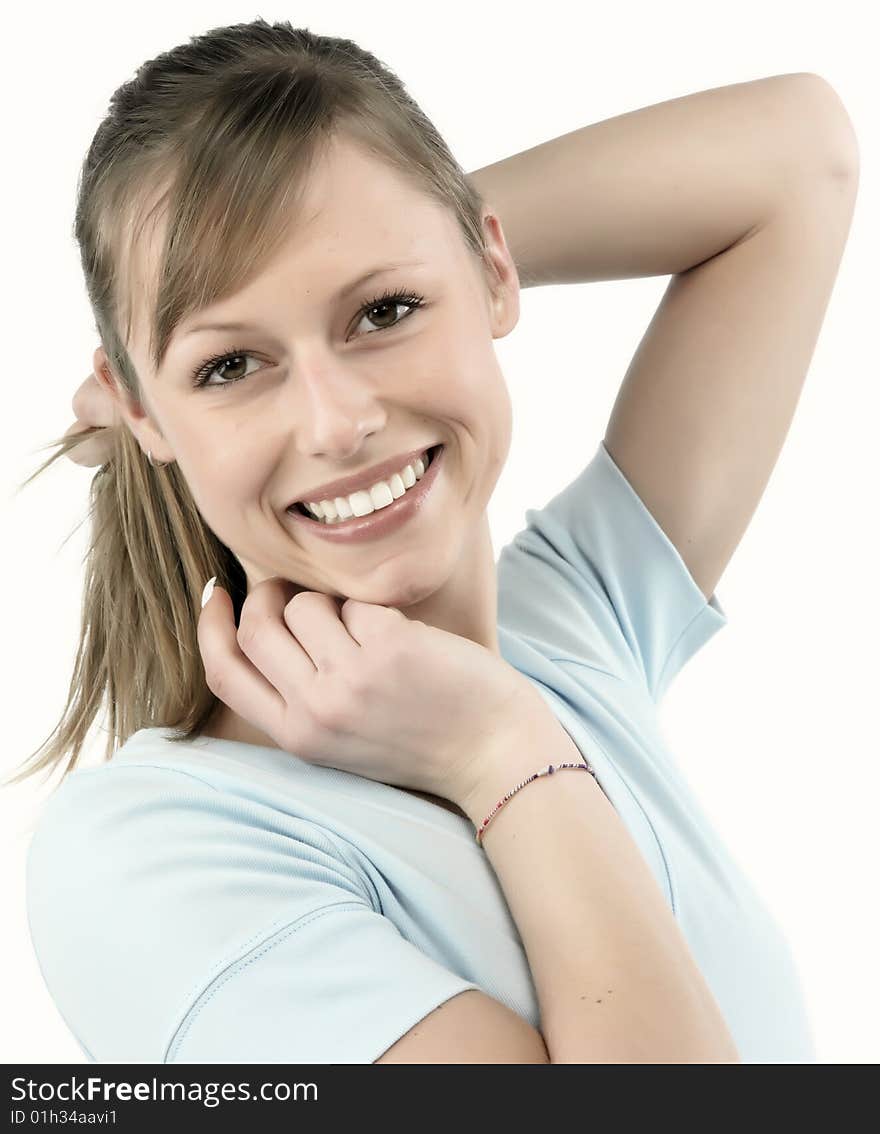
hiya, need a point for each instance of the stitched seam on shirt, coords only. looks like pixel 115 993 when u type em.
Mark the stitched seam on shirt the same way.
pixel 238 965
pixel 568 660
pixel 672 650
pixel 172 771
pixel 278 924
pixel 565 564
pixel 329 835
pixel 647 819
pixel 672 900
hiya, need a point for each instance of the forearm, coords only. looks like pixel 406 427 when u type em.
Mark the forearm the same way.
pixel 614 976
pixel 661 189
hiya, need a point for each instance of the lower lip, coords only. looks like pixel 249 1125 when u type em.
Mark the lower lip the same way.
pixel 383 521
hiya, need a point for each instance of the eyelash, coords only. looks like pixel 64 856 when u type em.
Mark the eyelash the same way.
pixel 205 369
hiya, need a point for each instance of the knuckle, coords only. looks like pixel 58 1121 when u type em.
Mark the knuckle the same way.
pixel 303 599
pixel 249 626
pixel 359 682
pixel 400 648
pixel 300 601
pixel 259 593
pixel 324 718
pixel 336 704
pixel 400 656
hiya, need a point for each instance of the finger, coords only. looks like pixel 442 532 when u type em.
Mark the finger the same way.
pixel 292 636
pixel 94 404
pixel 313 619
pixel 230 675
pixel 90 451
pixel 266 641
pixel 369 623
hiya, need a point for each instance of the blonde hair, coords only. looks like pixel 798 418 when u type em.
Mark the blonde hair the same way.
pixel 221 133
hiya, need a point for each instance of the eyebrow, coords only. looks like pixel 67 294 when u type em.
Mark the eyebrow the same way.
pixel 389 266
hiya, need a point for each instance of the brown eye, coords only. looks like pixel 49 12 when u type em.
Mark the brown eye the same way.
pixel 386 305
pixel 233 362
pixel 386 308
pixel 236 358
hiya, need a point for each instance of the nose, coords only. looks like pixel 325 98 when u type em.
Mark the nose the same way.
pixel 336 410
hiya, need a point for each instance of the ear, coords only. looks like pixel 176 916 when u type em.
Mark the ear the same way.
pixel 130 409
pixel 502 277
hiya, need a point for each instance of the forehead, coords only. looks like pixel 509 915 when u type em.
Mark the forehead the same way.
pixel 348 184
pixel 353 212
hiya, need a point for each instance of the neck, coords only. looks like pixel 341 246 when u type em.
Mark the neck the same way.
pixel 467 604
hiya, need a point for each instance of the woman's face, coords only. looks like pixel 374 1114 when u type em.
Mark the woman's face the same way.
pixel 325 390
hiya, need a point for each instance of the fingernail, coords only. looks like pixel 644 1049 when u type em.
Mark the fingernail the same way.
pixel 209 590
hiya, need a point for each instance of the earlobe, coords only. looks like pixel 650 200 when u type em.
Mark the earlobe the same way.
pixel 503 294
pixel 506 311
pixel 502 277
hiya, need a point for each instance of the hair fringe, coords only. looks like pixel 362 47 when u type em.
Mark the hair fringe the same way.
pixel 216 137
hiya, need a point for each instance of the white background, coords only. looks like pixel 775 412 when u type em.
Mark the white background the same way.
pixel 775 720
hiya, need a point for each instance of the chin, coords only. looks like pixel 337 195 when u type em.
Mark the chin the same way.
pixel 399 593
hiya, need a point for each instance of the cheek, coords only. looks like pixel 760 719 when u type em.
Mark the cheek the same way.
pixel 484 391
pixel 487 405
pixel 502 416
pixel 222 474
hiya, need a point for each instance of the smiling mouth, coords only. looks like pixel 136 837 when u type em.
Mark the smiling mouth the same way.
pixel 301 509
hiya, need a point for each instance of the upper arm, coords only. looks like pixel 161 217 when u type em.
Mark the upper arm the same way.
pixel 707 402
pixel 469 1028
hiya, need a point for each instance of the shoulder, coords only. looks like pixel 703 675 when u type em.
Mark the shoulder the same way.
pixel 146 885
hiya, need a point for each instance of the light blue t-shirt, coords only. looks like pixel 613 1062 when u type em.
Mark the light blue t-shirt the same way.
pixel 224 902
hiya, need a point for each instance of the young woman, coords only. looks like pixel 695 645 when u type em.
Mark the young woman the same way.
pixel 297 291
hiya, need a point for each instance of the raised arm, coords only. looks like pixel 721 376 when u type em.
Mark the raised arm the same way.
pixel 744 194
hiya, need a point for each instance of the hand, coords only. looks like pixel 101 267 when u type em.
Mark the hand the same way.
pixel 361 687
pixel 92 405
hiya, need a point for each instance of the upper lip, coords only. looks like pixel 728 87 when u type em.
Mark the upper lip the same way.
pixel 361 480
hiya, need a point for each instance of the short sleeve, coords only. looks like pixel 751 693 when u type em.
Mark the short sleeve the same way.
pixel 178 923
pixel 593 580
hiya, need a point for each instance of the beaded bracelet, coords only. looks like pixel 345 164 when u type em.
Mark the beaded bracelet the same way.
pixel 548 771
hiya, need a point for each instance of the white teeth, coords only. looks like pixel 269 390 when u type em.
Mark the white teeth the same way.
pixel 361 504
pixel 379 495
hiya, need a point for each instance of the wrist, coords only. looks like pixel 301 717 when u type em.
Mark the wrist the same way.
pixel 531 742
